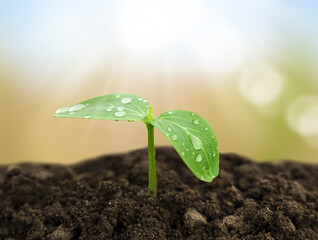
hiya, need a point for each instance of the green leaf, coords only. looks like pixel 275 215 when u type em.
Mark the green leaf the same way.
pixel 193 139
pixel 111 107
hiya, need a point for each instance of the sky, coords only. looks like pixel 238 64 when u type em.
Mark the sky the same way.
pixel 191 32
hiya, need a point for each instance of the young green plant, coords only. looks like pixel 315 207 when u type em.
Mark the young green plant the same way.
pixel 189 134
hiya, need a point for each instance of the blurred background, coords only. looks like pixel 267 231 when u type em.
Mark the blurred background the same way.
pixel 248 67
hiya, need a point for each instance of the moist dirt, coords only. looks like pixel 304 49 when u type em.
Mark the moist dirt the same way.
pixel 107 198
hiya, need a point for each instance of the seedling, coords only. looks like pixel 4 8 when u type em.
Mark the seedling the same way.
pixel 189 134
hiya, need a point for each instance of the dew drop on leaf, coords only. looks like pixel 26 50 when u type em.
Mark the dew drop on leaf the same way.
pixel 87 116
pixel 196 142
pixel 120 108
pixel 126 100
pixel 206 129
pixel 198 158
pixel 139 99
pixel 182 153
pixel 170 112
pixel 62 110
pixel 120 114
pixel 76 107
pixel 109 109
pixel 174 137
pixel 118 96
pixel 144 100
pixel 196 121
pixel 169 129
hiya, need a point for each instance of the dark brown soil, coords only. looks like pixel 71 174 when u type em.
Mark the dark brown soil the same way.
pixel 107 198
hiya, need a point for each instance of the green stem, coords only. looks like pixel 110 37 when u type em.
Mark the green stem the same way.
pixel 152 176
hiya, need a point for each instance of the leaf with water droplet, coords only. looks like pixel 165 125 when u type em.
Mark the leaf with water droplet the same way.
pixel 174 137
pixel 62 110
pixel 199 159
pixel 77 107
pixel 195 143
pixel 120 114
pixel 126 100
pixel 109 107
pixel 196 121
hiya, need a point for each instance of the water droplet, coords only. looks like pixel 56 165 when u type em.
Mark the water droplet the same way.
pixel 167 135
pixel 120 114
pixel 139 99
pixel 126 100
pixel 118 96
pixel 196 142
pixel 193 153
pixel 192 114
pixel 214 154
pixel 62 110
pixel 169 129
pixel 183 144
pixel 170 112
pixel 206 129
pixel 187 150
pixel 196 121
pixel 109 109
pixel 144 100
pixel 201 177
pixel 174 137
pixel 182 153
pixel 87 116
pixel 198 158
pixel 76 107
pixel 120 108
pixel 213 137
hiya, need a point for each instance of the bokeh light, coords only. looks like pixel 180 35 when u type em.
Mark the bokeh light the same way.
pixel 302 117
pixel 261 84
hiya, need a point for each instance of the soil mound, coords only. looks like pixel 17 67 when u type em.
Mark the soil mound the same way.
pixel 107 198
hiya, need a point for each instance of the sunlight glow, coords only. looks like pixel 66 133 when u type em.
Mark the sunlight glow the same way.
pixel 146 27
pixel 184 31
